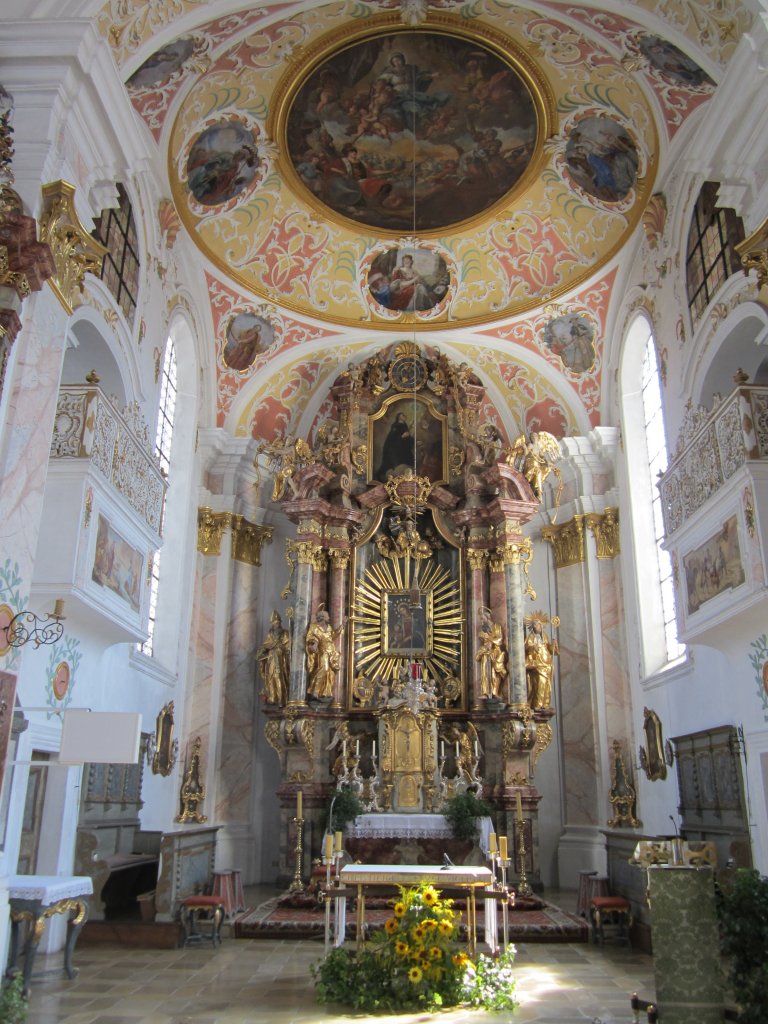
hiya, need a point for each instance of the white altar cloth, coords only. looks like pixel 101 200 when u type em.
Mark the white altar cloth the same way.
pixel 49 889
pixel 411 826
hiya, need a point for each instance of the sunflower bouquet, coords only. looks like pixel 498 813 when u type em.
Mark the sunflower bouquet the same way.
pixel 413 963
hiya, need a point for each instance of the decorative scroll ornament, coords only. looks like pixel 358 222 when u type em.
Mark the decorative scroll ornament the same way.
pixel 622 795
pixel 74 251
pixel 543 739
pixel 409 490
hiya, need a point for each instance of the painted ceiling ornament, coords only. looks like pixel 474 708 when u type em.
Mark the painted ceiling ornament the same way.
pixel 601 158
pixel 411 130
pixel 164 64
pixel 654 219
pixel 222 162
pixel 413 12
pixel 671 62
pixel 246 337
pixel 571 337
pixel 408 279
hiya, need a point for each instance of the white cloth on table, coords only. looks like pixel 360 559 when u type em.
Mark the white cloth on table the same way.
pixel 49 889
pixel 412 826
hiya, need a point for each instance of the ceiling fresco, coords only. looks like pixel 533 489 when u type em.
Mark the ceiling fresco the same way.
pixel 347 175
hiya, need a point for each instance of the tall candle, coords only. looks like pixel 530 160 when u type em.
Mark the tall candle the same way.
pixel 328 846
pixel 475 748
pixel 442 748
pixel 357 748
pixel 503 847
pixel 373 752
pixel 457 750
pixel 492 843
pixel 338 842
pixel 519 806
pixel 298 804
pixel 344 751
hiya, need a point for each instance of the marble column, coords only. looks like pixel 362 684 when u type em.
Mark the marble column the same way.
pixel 515 616
pixel 477 560
pixel 305 553
pixel 338 594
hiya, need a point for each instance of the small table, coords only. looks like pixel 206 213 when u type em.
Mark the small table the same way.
pixel 35 898
pixel 469 878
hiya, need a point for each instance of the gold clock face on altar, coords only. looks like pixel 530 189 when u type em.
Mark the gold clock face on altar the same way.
pixel 408 374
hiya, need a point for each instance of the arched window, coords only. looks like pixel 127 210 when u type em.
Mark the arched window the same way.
pixel 116 230
pixel 646 451
pixel 711 253
pixel 163 442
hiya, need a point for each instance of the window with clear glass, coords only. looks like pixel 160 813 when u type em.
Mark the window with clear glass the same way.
pixel 116 230
pixel 656 450
pixel 163 442
pixel 711 253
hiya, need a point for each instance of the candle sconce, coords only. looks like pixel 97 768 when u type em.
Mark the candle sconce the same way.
pixel 26 627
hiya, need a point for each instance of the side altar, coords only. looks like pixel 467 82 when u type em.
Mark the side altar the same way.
pixel 409 663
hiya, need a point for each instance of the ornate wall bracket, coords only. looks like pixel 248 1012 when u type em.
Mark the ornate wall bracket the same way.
pixel 567 540
pixel 74 251
pixel 605 530
pixel 247 537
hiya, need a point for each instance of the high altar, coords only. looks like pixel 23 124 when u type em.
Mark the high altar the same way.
pixel 411 663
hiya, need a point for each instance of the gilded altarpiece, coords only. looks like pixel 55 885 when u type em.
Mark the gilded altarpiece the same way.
pixel 407 590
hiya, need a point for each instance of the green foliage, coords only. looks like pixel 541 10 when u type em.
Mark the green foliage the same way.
pixel 462 812
pixel 13 1002
pixel 346 807
pixel 743 912
pixel 412 964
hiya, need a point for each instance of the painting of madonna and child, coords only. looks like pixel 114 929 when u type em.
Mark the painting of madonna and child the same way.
pixel 412 131
pixel 407 435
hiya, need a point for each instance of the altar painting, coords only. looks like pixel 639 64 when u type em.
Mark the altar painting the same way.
pixel 407 435
pixel 714 567
pixel 406 625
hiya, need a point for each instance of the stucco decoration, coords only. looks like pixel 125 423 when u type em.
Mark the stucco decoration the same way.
pixel 277 238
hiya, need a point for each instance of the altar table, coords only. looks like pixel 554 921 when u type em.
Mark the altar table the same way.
pixel 411 826
pixel 469 878
pixel 35 898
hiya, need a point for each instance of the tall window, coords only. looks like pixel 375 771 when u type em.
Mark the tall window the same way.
pixel 712 257
pixel 115 229
pixel 656 448
pixel 163 441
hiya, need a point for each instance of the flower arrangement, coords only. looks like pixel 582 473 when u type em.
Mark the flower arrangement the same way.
pixel 413 963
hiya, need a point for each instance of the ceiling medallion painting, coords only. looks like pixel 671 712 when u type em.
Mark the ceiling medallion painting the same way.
pixel 446 143
pixel 411 131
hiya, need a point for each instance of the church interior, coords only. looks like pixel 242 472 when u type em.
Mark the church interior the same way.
pixel 383 425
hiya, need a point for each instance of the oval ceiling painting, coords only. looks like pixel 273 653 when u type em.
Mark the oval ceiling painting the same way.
pixel 411 131
pixel 222 162
pixel 602 158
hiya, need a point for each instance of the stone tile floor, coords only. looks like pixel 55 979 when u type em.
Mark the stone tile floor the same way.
pixel 268 982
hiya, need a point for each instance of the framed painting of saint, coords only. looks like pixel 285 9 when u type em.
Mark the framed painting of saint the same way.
pixel 408 434
pixel 406 630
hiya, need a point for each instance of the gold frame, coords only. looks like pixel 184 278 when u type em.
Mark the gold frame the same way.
pixel 164 757
pixel 501 45
pixel 410 401
pixel 652 756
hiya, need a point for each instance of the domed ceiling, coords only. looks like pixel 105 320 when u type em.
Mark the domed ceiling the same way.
pixel 408 167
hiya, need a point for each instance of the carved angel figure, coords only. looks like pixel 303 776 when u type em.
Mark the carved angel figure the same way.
pixel 535 458
pixel 285 456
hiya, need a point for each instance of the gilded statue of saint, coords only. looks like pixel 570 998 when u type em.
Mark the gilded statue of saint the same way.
pixel 540 654
pixel 322 657
pixel 273 659
pixel 492 657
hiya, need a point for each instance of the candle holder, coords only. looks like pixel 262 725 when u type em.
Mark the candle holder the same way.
pixel 522 886
pixel 328 861
pixel 297 885
pixel 504 864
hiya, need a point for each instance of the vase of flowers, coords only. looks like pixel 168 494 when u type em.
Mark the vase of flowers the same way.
pixel 414 963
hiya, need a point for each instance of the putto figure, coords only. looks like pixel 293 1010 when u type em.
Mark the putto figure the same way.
pixel 273 659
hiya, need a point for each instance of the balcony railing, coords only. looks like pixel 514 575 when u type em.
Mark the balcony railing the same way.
pixel 714 446
pixel 89 426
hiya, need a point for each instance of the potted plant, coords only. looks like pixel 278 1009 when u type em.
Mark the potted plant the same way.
pixel 343 807
pixel 13 1001
pixel 743 913
pixel 463 813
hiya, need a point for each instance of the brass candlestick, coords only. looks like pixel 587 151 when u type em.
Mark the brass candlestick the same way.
pixel 522 886
pixel 297 885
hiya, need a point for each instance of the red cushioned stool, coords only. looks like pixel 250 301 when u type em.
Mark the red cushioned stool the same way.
pixel 610 910
pixel 190 910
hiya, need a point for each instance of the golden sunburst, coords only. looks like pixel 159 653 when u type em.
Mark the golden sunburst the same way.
pixel 407 610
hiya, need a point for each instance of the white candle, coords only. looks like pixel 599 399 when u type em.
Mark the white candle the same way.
pixel 373 753
pixel 442 748
pixel 503 847
pixel 357 748
pixel 519 806
pixel 344 750
pixel 475 748
pixel 298 804
pixel 457 750
pixel 328 846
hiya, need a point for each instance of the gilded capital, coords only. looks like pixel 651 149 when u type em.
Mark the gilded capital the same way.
pixel 477 558
pixel 339 557
pixel 605 530
pixel 210 529
pixel 74 251
pixel 247 539
pixel 567 539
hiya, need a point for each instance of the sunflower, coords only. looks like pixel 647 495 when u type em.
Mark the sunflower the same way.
pixel 430 897
pixel 390 926
pixel 402 948
pixel 460 959
pixel 414 975
pixel 445 927
pixel 399 909
pixel 418 933
pixel 430 924
pixel 435 953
